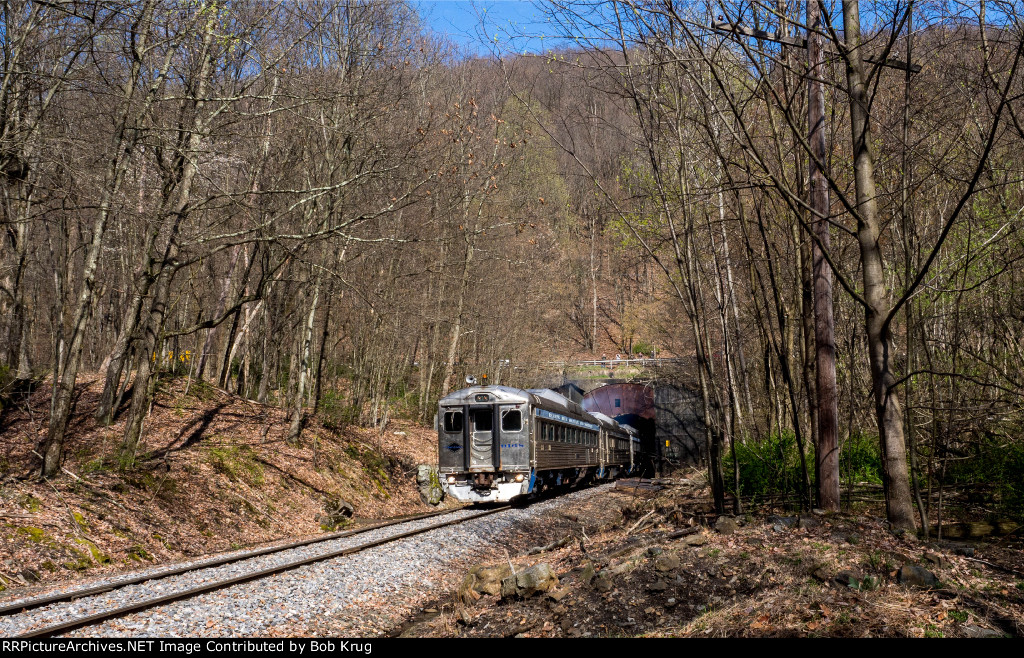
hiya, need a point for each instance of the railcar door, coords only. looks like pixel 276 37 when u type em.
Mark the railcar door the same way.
pixel 515 449
pixel 481 439
pixel 451 453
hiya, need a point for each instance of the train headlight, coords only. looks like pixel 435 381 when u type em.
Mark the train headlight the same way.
pixel 451 479
pixel 519 477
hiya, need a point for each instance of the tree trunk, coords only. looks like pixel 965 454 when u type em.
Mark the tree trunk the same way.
pixel 222 302
pixel 148 360
pixel 174 211
pixel 453 345
pixel 824 325
pixel 295 431
pixel 887 406
pixel 123 141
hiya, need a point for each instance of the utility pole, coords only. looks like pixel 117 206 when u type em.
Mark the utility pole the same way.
pixel 824 324
pixel 827 453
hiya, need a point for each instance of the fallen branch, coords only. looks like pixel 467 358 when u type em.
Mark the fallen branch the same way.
pixel 549 547
pixel 995 566
pixel 684 532
pixel 637 524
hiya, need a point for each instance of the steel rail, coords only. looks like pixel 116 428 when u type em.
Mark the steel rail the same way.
pixel 28 604
pixel 48 631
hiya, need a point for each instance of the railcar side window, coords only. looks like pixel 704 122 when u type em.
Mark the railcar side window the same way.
pixel 511 420
pixel 453 421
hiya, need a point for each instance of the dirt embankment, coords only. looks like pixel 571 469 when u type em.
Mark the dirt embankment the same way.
pixel 214 473
pixel 659 563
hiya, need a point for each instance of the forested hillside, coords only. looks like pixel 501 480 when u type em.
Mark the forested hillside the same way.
pixel 328 208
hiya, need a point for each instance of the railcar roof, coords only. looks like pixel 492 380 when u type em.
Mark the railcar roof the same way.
pixel 552 401
pixel 544 398
pixel 606 421
pixel 500 393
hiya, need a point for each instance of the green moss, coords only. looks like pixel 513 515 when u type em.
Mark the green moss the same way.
pixel 238 463
pixel 202 391
pixel 80 520
pixel 334 527
pixel 138 553
pixel 37 535
pixel 30 503
pixel 81 561
pixel 99 556
pixel 94 466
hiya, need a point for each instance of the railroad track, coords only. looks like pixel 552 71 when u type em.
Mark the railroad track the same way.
pixel 47 629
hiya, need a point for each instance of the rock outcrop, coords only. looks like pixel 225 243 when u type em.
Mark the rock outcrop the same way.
pixel 429 485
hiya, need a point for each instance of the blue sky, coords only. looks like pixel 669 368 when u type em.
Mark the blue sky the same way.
pixel 465 22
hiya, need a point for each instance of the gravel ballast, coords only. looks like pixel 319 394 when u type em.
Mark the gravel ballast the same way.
pixel 360 594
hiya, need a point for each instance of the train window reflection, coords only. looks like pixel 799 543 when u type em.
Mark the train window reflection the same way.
pixel 511 420
pixel 453 421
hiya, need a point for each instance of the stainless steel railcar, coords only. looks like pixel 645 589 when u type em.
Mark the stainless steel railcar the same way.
pixel 497 442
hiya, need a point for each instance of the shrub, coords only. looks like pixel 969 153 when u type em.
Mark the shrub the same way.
pixel 642 347
pixel 860 459
pixel 767 468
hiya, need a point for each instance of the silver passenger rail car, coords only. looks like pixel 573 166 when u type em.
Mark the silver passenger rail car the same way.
pixel 497 442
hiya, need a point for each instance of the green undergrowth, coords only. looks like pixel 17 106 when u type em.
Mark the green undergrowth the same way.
pixel 770 468
pixel 993 476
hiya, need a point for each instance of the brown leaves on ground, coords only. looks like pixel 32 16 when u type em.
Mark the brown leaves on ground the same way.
pixel 773 577
pixel 214 473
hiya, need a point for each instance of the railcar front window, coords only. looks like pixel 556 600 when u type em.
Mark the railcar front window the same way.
pixel 453 421
pixel 482 420
pixel 511 420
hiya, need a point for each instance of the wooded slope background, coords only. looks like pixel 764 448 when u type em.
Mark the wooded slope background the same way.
pixel 324 206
